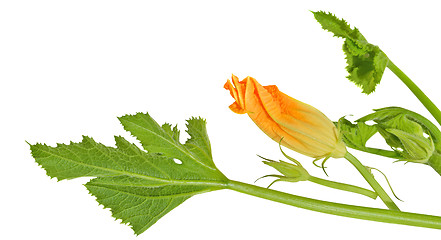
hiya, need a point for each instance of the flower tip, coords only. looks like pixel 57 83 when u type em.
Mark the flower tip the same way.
pixel 227 85
pixel 236 108
pixel 236 91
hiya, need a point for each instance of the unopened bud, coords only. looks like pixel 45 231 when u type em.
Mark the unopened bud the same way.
pixel 291 172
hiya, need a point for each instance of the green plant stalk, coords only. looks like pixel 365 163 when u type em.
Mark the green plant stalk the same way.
pixel 371 180
pixel 344 187
pixel 379 152
pixel 430 106
pixel 339 209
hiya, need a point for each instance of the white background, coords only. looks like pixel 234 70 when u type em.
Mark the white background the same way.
pixel 69 68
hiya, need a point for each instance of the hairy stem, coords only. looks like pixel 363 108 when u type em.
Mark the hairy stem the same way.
pixel 343 186
pixel 371 180
pixel 366 213
pixel 430 106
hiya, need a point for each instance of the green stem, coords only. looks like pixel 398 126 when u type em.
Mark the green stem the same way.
pixel 343 186
pixel 366 213
pixel 371 180
pixel 430 106
pixel 381 152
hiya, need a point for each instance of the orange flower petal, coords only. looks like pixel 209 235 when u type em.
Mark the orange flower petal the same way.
pixel 300 126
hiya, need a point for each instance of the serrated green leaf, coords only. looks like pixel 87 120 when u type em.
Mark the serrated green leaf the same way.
pixel 141 202
pixel 198 143
pixel 138 186
pixel 366 62
pixel 155 138
pixel 339 27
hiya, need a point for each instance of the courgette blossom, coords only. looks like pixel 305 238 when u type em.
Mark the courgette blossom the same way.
pixel 296 125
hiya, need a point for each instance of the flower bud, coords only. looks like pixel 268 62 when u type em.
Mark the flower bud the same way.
pixel 411 135
pixel 296 125
pixel 415 148
pixel 291 172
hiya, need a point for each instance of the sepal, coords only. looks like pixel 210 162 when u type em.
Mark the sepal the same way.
pixel 291 172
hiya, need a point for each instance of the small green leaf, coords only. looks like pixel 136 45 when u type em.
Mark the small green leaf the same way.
pixel 339 27
pixel 366 62
pixel 355 135
pixel 139 187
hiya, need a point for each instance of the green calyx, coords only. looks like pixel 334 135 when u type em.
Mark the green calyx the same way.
pixel 290 172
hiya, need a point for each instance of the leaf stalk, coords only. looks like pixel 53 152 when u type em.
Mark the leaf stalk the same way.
pixel 343 186
pixel 371 180
pixel 339 209
pixel 430 106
